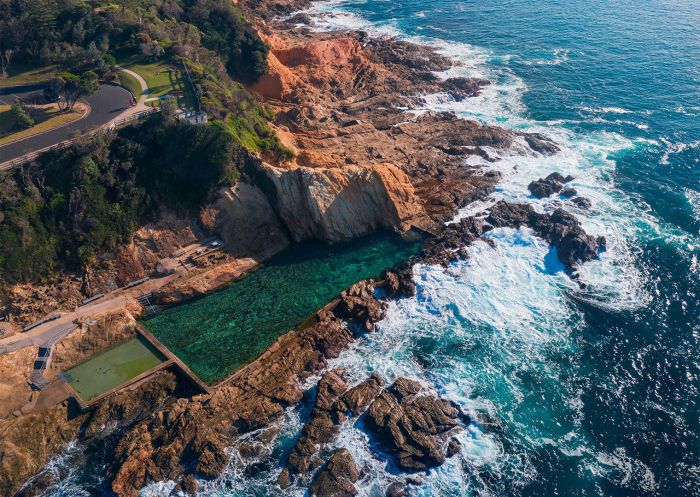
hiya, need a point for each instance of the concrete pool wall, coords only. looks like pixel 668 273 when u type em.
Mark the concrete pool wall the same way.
pixel 116 369
pixel 220 333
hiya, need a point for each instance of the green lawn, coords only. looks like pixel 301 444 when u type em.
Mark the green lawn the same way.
pixel 130 83
pixel 160 76
pixel 25 75
pixel 44 120
pixel 111 368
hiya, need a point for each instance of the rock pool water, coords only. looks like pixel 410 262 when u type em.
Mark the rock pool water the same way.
pixel 219 333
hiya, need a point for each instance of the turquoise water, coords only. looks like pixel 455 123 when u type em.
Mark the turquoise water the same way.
pixel 577 392
pixel 594 392
pixel 219 333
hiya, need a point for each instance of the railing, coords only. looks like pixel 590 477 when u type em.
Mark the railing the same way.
pixel 67 143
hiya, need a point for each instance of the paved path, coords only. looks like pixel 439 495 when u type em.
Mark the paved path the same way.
pixel 58 328
pixel 107 103
pixel 44 336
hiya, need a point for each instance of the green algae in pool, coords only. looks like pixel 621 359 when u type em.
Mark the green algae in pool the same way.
pixel 221 332
pixel 114 367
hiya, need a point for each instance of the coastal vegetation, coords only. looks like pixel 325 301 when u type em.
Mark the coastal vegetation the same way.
pixel 69 206
pixel 62 211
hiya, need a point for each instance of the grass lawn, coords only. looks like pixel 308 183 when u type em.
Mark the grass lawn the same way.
pixel 130 83
pixel 161 77
pixel 24 75
pixel 7 122
pixel 44 119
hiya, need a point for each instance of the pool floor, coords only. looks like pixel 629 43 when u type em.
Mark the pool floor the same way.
pixel 221 332
pixel 112 368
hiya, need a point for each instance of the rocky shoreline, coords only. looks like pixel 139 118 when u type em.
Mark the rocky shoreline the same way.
pixel 362 163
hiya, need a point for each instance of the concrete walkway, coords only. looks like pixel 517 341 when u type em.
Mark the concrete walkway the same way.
pixel 141 104
pixel 53 330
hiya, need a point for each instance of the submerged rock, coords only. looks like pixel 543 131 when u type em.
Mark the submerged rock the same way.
pixel 461 88
pixel 540 143
pixel 581 203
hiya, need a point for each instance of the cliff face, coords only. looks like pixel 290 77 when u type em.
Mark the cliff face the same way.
pixel 334 204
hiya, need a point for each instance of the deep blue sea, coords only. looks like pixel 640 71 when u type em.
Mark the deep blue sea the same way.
pixel 576 392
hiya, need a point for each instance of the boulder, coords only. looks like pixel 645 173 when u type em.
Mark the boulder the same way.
pixel 561 229
pixel 356 400
pixel 396 489
pixel 453 447
pixel 337 478
pixel 358 305
pixel 409 424
pixel 399 281
pixel 461 88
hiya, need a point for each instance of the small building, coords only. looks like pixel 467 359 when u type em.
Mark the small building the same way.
pixel 194 117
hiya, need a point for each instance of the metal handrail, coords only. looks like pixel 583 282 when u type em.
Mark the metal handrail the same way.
pixel 67 143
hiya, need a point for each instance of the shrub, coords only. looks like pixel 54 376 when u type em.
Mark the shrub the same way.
pixel 22 118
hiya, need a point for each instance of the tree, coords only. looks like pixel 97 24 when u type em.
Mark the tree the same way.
pixel 5 59
pixel 70 87
pixel 22 118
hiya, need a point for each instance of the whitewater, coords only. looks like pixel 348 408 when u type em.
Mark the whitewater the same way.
pixel 555 389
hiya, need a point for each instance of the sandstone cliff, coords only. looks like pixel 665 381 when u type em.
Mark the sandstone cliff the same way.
pixel 336 204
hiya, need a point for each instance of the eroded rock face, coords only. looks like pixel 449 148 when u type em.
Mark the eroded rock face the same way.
pixel 247 223
pixel 188 435
pixel 337 478
pixel 321 428
pixel 410 424
pixel 334 403
pixel 337 204
pixel 27 443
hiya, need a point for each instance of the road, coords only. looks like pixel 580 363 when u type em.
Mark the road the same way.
pixel 55 332
pixel 107 103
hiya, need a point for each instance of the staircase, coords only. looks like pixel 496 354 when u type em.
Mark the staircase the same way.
pixel 145 300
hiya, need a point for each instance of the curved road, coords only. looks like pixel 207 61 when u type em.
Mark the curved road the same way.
pixel 107 103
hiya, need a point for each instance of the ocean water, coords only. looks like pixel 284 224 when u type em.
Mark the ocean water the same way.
pixel 575 392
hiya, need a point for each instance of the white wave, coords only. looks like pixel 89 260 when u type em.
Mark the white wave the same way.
pixel 559 56
pixel 158 489
pixel 504 311
pixel 675 148
pixel 694 201
pixel 607 110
